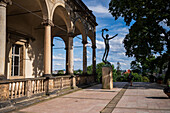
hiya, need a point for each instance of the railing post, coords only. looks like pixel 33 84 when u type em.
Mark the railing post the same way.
pixel 46 86
pixel 28 88
pixel 4 91
pixel 61 82
pixel 73 82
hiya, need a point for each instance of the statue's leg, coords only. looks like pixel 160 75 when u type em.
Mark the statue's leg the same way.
pixel 104 56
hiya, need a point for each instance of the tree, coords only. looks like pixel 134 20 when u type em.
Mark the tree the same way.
pixel 147 36
pixel 79 71
pixel 61 72
pixel 135 66
pixel 90 69
pixel 118 69
pixel 99 70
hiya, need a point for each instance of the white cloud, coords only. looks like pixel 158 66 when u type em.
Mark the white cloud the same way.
pixel 58 58
pixel 77 59
pixel 88 52
pixel 100 44
pixel 100 11
pixel 57 64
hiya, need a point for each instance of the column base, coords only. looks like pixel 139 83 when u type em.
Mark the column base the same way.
pixel 2 77
pixel 47 75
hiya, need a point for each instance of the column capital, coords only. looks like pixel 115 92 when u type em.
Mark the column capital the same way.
pixel 84 42
pixel 94 47
pixel 5 2
pixel 47 22
pixel 70 34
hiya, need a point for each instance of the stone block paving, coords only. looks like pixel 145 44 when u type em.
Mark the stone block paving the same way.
pixel 90 100
pixel 139 98
pixel 143 98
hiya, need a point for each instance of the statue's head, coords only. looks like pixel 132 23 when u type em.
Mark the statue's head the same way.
pixel 107 36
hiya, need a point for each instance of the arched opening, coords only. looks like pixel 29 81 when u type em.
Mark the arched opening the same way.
pixel 89 56
pixel 59 32
pixel 78 55
pixel 59 56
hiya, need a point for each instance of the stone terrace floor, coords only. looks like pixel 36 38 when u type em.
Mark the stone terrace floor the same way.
pixel 139 98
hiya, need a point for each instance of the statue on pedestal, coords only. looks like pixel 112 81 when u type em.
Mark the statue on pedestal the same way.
pixel 106 40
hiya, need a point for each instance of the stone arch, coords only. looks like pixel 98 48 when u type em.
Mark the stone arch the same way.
pixel 80 26
pixel 63 42
pixel 92 37
pixel 63 13
pixel 44 8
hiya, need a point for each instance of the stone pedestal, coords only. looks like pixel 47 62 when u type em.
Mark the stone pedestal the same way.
pixel 107 78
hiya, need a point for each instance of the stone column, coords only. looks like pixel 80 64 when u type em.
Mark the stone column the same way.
pixel 3 4
pixel 47 48
pixel 94 60
pixel 69 56
pixel 52 54
pixel 84 57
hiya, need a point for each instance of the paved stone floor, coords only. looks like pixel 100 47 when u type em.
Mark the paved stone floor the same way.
pixel 139 98
pixel 143 98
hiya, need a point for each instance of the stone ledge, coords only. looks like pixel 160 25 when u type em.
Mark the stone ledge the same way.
pixel 19 104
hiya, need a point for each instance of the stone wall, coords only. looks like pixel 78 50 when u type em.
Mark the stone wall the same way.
pixel 4 94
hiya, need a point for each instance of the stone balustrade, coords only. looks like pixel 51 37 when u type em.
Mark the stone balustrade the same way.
pixel 84 79
pixel 18 88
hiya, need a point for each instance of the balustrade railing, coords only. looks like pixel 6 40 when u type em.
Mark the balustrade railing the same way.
pixel 17 89
pixel 13 89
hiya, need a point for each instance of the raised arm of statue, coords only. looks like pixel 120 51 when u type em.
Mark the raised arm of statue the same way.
pixel 103 34
pixel 113 36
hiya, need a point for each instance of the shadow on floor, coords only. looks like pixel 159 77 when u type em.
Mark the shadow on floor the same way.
pixel 157 97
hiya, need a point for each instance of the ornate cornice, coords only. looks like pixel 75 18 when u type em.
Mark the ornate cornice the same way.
pixel 70 34
pixel 47 22
pixel 6 2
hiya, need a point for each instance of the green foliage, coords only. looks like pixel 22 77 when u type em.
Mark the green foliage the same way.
pixel 135 66
pixel 152 78
pixel 114 74
pixel 137 77
pixel 145 79
pixel 90 69
pixel 148 34
pixel 60 72
pixel 99 72
pixel 123 78
pixel 160 78
pixel 78 72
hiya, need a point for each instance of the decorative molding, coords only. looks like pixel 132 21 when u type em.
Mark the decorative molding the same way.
pixel 71 34
pixel 8 2
pixel 47 22
pixel 84 42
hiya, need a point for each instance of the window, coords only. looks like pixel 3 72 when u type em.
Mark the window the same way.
pixel 16 60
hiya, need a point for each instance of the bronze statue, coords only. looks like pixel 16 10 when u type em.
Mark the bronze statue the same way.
pixel 106 40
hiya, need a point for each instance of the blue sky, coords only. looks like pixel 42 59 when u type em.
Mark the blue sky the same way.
pixel 104 20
